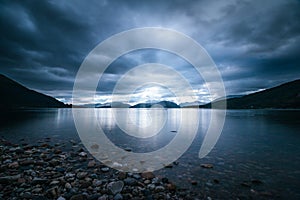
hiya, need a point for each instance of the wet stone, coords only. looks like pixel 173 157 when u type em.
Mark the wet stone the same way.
pixel 207 166
pixel 104 169
pixel 118 197
pixel 115 187
pixel 81 175
pixel 147 175
pixel 78 197
pixel 130 181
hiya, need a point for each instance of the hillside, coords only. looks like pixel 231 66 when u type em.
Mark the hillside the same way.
pixel 286 95
pixel 15 95
pixel 165 104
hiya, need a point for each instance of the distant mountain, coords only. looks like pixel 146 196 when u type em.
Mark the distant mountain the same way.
pixel 106 105
pixel 286 95
pixel 14 95
pixel 190 104
pixel 165 104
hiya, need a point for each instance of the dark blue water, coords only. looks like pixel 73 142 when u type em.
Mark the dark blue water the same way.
pixel 259 145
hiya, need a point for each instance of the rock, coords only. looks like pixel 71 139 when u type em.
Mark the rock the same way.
pixel 70 175
pixel 61 198
pixel 54 182
pixel 128 149
pixel 266 194
pixel 60 169
pixel 193 182
pixel 57 151
pixel 91 164
pixel 103 197
pixel 168 166
pixel 8 179
pixel 37 190
pixel 165 180
pixel 26 195
pixel 72 142
pixel 78 197
pixel 19 150
pixel 136 176
pixel 82 154
pixel 21 180
pixel 130 181
pixel 52 192
pixel 115 187
pixel 245 184
pixel 159 188
pixel 94 197
pixel 151 186
pixel 37 180
pixel 118 197
pixel 171 187
pixel 176 163
pixel 256 181
pixel 122 175
pixel 208 166
pixel 68 186
pixel 104 169
pixel 147 175
pixel 81 175
pixel 216 181
pixel 13 165
pixel 26 162
pixel 97 183
pixel 209 184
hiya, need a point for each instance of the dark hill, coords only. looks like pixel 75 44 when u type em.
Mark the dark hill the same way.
pixel 15 95
pixel 286 95
pixel 165 104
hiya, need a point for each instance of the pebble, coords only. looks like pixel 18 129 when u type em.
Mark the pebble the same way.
pixel 115 187
pixel 45 171
pixel 118 197
pixel 208 166
pixel 104 169
pixel 78 197
pixel 130 181
pixel 147 175
pixel 82 154
pixel 91 164
pixel 68 186
pixel 81 175
pixel 194 182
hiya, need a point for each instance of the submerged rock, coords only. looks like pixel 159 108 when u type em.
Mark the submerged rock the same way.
pixel 206 165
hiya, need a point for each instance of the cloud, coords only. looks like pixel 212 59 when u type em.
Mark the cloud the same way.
pixel 254 44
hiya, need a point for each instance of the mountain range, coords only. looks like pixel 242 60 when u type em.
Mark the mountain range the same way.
pixel 15 95
pixel 287 95
pixel 164 104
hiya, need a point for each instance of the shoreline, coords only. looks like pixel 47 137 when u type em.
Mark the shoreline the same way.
pixel 47 171
pixel 64 170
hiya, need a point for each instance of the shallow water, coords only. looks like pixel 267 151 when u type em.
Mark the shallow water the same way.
pixel 254 145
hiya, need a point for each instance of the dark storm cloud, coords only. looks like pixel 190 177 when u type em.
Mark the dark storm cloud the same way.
pixel 255 44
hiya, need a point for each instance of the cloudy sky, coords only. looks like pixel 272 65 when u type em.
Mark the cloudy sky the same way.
pixel 254 44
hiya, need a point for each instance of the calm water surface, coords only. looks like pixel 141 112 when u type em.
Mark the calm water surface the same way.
pixel 254 145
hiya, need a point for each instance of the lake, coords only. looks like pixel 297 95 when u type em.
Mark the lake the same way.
pixel 258 151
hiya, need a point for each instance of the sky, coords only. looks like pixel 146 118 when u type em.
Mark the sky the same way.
pixel 254 44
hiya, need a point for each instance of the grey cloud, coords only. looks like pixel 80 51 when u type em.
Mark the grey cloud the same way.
pixel 254 44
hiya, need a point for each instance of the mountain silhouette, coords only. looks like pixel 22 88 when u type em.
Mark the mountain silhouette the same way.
pixel 15 95
pixel 286 95
pixel 165 104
